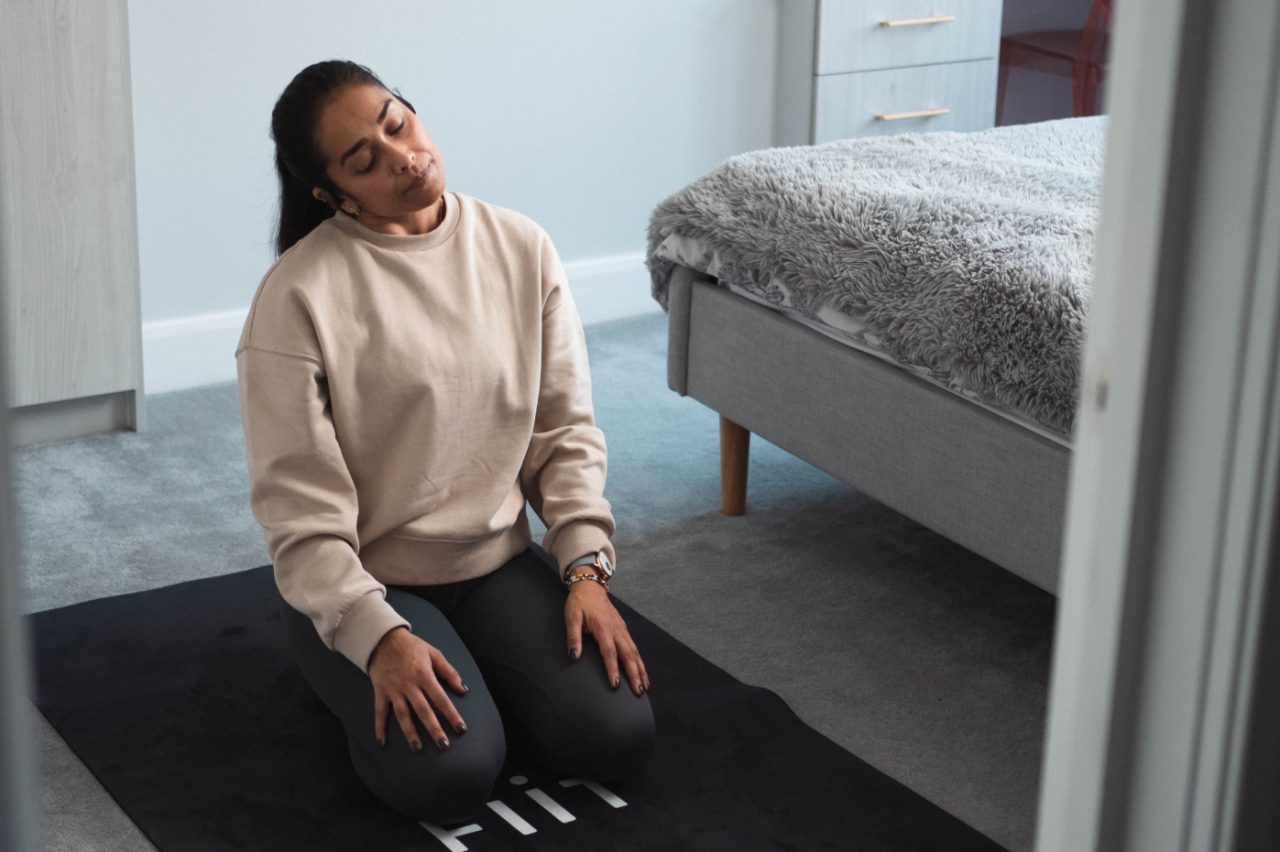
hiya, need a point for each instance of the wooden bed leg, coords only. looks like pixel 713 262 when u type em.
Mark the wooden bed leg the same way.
pixel 735 447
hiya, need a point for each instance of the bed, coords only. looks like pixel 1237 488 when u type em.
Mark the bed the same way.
pixel 905 312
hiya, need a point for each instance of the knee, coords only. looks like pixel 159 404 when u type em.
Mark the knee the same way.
pixel 619 743
pixel 451 792
pixel 439 787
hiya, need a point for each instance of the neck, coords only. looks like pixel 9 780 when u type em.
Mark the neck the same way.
pixel 419 222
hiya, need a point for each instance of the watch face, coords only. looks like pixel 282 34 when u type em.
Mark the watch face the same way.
pixel 606 565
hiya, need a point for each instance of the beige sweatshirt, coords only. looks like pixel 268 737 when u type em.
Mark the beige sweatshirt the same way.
pixel 402 396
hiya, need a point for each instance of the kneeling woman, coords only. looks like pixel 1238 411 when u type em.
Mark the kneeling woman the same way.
pixel 412 370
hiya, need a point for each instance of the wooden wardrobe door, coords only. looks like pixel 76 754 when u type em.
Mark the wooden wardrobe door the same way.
pixel 68 222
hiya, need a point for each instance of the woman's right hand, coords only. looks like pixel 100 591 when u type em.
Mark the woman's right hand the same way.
pixel 402 668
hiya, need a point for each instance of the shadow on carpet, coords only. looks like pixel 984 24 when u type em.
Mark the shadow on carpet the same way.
pixel 184 702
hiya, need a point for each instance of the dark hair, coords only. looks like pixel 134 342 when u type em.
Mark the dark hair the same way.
pixel 299 163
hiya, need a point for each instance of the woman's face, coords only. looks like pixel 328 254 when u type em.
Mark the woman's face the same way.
pixel 374 147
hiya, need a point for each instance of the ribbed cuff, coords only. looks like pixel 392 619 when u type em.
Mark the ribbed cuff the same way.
pixel 579 538
pixel 362 627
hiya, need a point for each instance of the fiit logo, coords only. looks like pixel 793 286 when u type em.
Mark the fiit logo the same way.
pixel 449 837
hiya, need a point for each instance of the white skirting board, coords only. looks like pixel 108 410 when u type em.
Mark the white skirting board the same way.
pixel 189 352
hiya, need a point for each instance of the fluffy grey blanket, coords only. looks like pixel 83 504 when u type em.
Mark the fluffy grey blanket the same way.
pixel 968 253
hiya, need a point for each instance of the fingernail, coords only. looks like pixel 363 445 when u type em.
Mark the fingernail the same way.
pixel 461 728
pixel 616 680
pixel 573 654
pixel 382 742
pixel 417 746
pixel 443 742
pixel 465 689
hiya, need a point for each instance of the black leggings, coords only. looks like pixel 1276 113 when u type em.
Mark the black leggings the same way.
pixel 505 633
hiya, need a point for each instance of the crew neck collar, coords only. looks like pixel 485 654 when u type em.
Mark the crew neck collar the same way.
pixel 404 242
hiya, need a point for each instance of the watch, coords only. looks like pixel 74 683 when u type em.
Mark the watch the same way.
pixel 599 562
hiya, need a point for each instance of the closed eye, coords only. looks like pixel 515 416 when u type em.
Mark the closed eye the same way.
pixel 373 161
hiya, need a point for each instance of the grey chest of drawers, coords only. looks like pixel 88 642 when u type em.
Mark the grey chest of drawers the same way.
pixel 863 67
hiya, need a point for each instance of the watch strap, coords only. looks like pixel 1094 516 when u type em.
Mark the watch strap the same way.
pixel 585 559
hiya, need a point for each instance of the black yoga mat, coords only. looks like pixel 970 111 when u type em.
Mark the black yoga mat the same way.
pixel 185 704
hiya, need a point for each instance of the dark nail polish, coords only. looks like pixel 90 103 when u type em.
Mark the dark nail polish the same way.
pixel 443 742
pixel 462 728
pixel 382 742
pixel 616 681
pixel 573 655
pixel 416 746
pixel 465 689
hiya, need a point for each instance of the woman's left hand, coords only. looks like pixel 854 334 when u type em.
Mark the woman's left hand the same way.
pixel 589 607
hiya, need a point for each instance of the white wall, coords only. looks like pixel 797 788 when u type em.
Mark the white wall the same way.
pixel 583 115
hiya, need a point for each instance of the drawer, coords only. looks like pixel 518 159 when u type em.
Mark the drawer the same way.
pixel 847 104
pixel 852 38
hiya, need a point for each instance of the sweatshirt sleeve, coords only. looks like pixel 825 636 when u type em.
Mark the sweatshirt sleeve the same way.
pixel 563 473
pixel 303 496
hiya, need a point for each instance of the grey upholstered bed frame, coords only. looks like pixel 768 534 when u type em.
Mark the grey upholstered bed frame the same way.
pixel 971 475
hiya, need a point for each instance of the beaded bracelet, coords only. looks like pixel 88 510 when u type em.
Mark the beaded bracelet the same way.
pixel 586 575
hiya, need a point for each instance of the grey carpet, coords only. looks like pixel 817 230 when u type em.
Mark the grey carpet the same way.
pixel 920 657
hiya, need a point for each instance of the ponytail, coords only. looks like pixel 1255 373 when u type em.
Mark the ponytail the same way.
pixel 300 210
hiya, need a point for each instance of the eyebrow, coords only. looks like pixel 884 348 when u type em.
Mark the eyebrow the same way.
pixel 356 147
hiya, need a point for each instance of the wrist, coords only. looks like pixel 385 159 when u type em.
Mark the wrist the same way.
pixel 587 560
pixel 591 579
pixel 598 562
pixel 388 638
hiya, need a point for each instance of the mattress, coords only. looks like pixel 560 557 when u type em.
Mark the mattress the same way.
pixel 965 258
pixel 838 326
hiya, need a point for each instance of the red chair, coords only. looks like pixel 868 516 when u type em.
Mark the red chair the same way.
pixel 1079 54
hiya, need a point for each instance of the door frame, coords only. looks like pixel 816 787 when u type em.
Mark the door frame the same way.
pixel 1170 548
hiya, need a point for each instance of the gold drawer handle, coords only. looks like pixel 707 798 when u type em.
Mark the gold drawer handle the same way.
pixel 898 116
pixel 915 22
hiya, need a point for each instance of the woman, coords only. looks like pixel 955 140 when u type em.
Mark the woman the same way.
pixel 412 370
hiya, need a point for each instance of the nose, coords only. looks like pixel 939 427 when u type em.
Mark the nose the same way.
pixel 407 159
